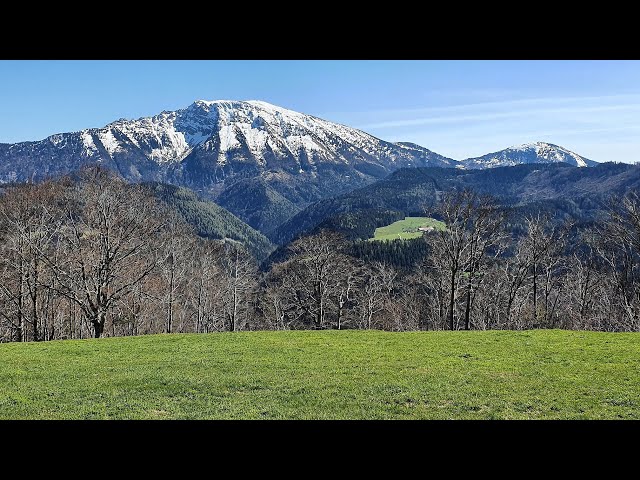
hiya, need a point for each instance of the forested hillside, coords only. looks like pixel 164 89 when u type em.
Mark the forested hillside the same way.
pixel 561 190
pixel 260 205
pixel 211 220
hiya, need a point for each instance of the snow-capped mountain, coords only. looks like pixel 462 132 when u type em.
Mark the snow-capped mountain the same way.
pixel 539 152
pixel 211 141
pixel 261 161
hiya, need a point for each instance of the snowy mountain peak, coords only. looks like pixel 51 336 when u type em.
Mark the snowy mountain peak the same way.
pixel 535 152
pixel 209 105
pixel 266 105
pixel 206 103
pixel 212 141
pixel 215 102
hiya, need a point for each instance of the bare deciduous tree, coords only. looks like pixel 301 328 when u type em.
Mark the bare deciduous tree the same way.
pixel 619 248
pixel 473 232
pixel 315 281
pixel 239 279
pixel 109 242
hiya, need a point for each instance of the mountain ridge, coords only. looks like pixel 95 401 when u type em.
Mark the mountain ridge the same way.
pixel 567 190
pixel 159 144
pixel 284 159
pixel 527 153
pixel 211 142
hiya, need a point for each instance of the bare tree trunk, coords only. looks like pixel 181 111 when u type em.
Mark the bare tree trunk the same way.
pixel 34 302
pixel 98 327
pixel 235 290
pixel 170 303
pixel 199 307
pixel 235 308
pixel 583 296
pixel 452 298
pixel 21 324
pixel 341 302
pixel 535 295
pixel 467 310
pixel 318 292
pixel 98 321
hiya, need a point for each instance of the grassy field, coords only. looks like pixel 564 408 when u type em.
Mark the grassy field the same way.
pixel 406 229
pixel 326 375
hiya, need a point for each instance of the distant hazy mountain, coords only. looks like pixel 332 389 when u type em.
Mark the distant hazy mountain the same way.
pixel 538 152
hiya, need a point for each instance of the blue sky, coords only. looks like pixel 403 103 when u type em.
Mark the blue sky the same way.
pixel 456 108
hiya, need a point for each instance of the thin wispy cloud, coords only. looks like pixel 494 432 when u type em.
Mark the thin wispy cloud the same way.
pixel 583 131
pixel 509 109
pixel 498 104
pixel 474 128
pixel 497 115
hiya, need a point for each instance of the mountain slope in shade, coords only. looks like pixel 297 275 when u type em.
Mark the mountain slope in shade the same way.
pixel 260 205
pixel 538 152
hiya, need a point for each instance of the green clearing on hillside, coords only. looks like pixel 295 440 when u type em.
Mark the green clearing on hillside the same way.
pixel 406 229
pixel 326 375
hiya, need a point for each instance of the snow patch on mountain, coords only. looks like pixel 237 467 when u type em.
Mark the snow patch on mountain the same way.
pixel 228 140
pixel 108 141
pixel 89 145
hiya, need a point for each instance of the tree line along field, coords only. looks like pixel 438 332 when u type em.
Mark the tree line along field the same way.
pixel 406 229
pixel 532 374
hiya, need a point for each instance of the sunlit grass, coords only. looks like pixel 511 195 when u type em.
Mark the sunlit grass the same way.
pixel 406 229
pixel 326 375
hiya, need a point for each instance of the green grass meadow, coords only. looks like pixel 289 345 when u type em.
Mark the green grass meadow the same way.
pixel 406 229
pixel 326 375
